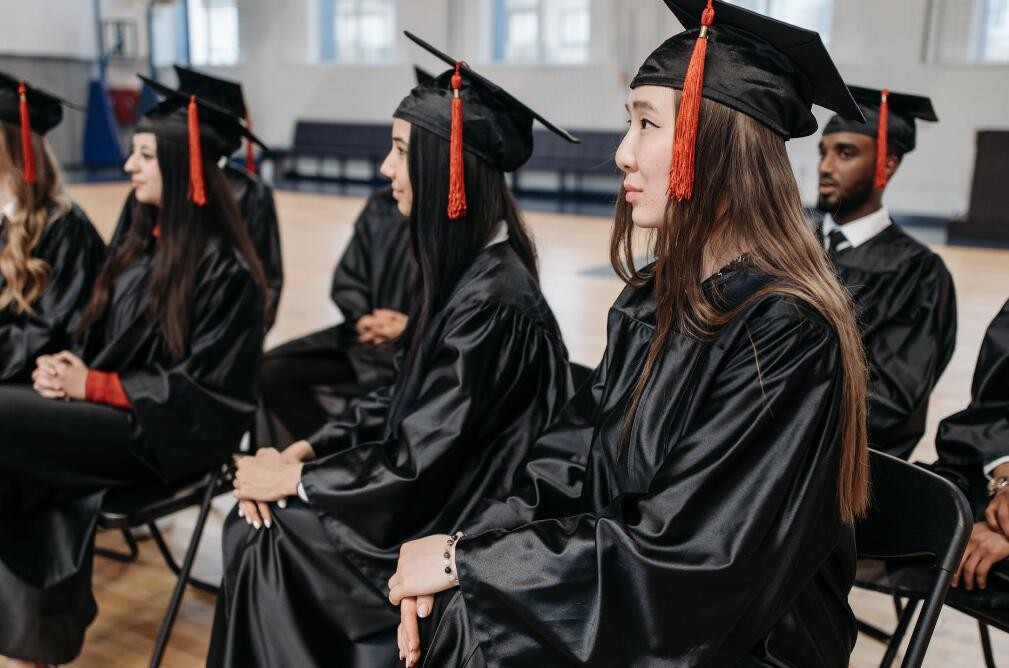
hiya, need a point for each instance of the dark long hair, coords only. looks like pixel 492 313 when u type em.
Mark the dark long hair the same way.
pixel 185 232
pixel 444 249
pixel 745 192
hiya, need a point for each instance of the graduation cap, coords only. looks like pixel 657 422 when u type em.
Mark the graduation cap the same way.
pixel 496 127
pixel 889 118
pixel 34 110
pixel 224 93
pixel 207 129
pixel 422 75
pixel 767 69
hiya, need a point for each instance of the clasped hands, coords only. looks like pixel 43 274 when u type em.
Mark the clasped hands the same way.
pixel 60 376
pixel 420 574
pixel 988 545
pixel 268 476
pixel 380 326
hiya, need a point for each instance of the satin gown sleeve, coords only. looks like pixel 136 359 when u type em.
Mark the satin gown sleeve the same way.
pixel 351 289
pixel 549 482
pixel 975 437
pixel 261 216
pixel 909 350
pixel 74 252
pixel 362 422
pixel 491 361
pixel 744 503
pixel 196 410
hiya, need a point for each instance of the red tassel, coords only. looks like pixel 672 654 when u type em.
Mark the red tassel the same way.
pixel 456 177
pixel 881 140
pixel 681 173
pixel 250 158
pixel 27 151
pixel 197 190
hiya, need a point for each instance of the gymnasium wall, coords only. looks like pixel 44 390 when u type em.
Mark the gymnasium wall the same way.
pixel 874 43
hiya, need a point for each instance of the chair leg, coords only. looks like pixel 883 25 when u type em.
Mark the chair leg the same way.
pixel 898 605
pixel 125 557
pixel 187 566
pixel 898 634
pixel 989 657
pixel 873 632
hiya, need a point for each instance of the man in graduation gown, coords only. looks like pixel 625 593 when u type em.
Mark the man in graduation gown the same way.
pixel 254 196
pixel 306 380
pixel 69 245
pixel 973 449
pixel 903 292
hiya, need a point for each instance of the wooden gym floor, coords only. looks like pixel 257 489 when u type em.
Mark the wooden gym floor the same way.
pixel 314 229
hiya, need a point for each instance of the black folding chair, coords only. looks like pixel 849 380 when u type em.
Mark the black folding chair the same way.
pixel 130 507
pixel 917 521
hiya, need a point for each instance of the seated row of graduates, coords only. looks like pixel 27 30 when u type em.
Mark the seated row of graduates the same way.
pixel 692 502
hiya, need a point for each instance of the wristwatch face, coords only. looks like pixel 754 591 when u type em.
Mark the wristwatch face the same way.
pixel 997 484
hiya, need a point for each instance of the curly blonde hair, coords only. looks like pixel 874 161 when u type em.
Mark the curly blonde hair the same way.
pixel 35 205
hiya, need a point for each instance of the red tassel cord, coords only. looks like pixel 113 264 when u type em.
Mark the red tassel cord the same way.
pixel 250 158
pixel 456 176
pixel 882 140
pixel 681 173
pixel 197 188
pixel 27 151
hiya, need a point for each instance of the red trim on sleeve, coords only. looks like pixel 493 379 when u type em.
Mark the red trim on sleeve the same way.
pixel 105 388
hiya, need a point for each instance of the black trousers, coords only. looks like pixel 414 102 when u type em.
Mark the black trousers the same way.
pixel 302 383
pixel 56 460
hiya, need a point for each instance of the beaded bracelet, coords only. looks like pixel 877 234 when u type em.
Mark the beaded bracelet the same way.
pixel 449 545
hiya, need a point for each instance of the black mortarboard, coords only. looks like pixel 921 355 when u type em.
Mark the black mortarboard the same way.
pixel 767 69
pixel 901 111
pixel 495 126
pixel 209 131
pixel 223 93
pixel 31 109
pixel 421 75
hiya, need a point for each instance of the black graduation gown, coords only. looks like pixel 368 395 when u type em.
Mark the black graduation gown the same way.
pixel 310 378
pixel 185 416
pixel 255 202
pixel 402 463
pixel 714 539
pixel 74 252
pixel 979 434
pixel 906 305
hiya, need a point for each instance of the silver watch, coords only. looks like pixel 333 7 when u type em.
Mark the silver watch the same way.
pixel 996 485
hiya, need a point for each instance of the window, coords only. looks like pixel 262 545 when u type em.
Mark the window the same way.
pixel 357 31
pixel 541 31
pixel 811 14
pixel 993 35
pixel 213 32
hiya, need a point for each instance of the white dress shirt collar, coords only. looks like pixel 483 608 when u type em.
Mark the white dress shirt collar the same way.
pixel 860 230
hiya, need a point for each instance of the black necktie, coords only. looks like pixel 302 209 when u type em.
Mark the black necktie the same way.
pixel 837 243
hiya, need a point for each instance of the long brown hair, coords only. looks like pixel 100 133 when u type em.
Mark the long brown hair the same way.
pixel 745 191
pixel 186 230
pixel 25 276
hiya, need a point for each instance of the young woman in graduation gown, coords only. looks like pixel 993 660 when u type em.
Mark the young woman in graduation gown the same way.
pixel 254 196
pixel 50 254
pixel 484 371
pixel 694 504
pixel 164 387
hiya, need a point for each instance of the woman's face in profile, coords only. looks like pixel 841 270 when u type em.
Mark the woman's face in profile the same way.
pixel 396 168
pixel 143 168
pixel 646 152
